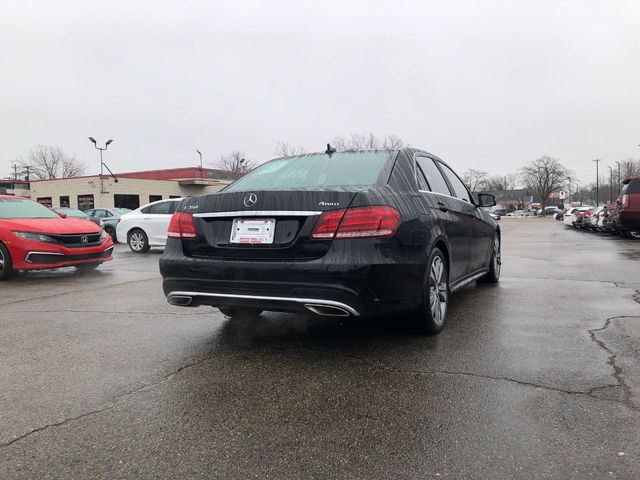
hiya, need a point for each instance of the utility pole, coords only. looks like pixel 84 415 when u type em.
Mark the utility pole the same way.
pixel 618 176
pixel 597 160
pixel 610 184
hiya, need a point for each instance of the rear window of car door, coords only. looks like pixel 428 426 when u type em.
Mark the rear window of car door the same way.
pixel 461 191
pixel 163 208
pixel 436 181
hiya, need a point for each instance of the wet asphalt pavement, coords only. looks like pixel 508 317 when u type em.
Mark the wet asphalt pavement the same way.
pixel 538 377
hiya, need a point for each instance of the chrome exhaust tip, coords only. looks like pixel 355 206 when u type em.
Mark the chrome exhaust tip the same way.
pixel 180 300
pixel 326 310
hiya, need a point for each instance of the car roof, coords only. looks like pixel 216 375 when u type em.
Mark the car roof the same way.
pixel 162 201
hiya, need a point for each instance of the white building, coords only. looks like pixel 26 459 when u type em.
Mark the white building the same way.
pixel 131 190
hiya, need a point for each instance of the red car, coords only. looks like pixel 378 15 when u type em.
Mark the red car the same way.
pixel 627 213
pixel 32 237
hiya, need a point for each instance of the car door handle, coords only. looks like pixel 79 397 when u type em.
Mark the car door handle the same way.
pixel 442 207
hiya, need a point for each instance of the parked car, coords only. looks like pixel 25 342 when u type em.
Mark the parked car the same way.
pixel 33 237
pixel 549 211
pixel 147 226
pixel 596 215
pixel 501 212
pixel 570 216
pixel 627 213
pixel 354 233
pixel 529 212
pixel 75 213
pixel 605 222
pixel 108 218
pixel 583 218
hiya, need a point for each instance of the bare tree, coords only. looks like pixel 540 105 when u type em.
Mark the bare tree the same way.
pixel 393 142
pixel 285 149
pixel 46 162
pixel 511 181
pixel 545 176
pixel 367 141
pixel 236 162
pixel 474 179
pixel 340 142
pixel 629 168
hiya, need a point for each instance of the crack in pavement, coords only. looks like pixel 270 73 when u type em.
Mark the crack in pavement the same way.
pixel 383 366
pixel 111 405
pixel 69 292
pixel 611 361
pixel 617 374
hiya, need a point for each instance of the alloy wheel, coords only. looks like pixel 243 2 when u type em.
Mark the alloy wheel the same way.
pixel 497 256
pixel 136 241
pixel 634 234
pixel 438 290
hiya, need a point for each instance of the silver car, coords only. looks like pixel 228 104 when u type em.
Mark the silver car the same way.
pixel 108 218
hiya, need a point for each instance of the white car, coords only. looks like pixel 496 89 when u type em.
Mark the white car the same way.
pixel 147 226
pixel 570 215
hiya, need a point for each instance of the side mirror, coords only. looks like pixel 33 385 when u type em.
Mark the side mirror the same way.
pixel 485 200
pixel 62 214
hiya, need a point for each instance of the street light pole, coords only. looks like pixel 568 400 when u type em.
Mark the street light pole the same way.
pixel 200 154
pixel 597 160
pixel 618 176
pixel 106 145
pixel 610 184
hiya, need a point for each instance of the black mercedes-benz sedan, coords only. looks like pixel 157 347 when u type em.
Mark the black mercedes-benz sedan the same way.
pixel 353 233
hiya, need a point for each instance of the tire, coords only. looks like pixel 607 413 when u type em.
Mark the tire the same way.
pixel 233 312
pixel 431 317
pixel 112 233
pixel 6 266
pixel 138 241
pixel 87 267
pixel 493 275
pixel 634 233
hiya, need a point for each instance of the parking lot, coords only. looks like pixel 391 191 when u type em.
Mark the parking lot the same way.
pixel 538 377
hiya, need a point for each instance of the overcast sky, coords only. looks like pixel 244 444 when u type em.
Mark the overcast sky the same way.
pixel 483 84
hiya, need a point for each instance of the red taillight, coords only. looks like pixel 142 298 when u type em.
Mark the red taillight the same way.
pixel 360 222
pixel 625 201
pixel 327 224
pixel 181 226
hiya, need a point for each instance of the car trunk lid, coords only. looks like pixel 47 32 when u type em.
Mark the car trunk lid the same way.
pixel 262 225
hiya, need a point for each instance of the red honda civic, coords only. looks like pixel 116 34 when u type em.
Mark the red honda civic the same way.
pixel 32 237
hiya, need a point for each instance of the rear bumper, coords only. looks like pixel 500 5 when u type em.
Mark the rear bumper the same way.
pixel 375 286
pixel 628 218
pixel 320 306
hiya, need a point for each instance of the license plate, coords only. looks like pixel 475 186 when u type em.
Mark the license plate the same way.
pixel 253 231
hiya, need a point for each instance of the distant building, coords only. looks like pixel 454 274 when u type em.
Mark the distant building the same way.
pixel 132 190
pixel 511 199
pixel 14 187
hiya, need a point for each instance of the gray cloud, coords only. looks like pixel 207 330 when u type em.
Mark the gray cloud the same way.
pixel 488 84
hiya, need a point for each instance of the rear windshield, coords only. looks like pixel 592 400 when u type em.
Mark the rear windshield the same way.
pixel 316 170
pixel 22 208
pixel 122 211
pixel 632 187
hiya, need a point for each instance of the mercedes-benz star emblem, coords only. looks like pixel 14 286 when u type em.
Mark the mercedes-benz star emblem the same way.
pixel 250 200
